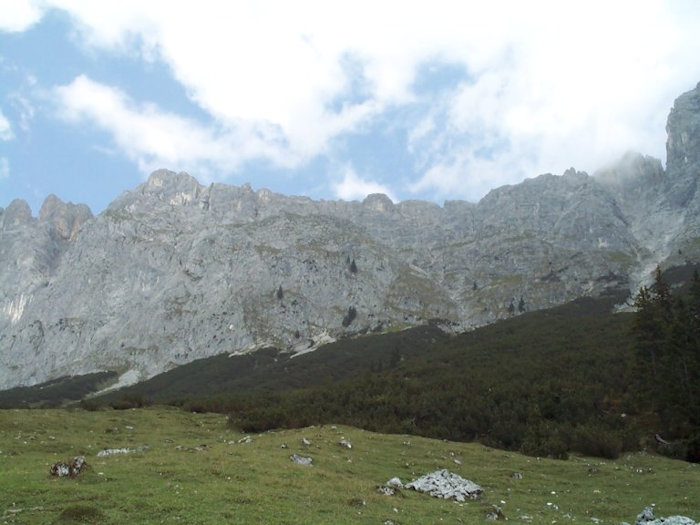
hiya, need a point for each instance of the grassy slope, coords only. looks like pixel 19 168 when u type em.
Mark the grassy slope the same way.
pixel 257 483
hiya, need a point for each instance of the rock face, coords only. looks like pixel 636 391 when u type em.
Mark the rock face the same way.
pixel 173 270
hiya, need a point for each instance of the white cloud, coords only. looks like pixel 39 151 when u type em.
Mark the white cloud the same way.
pixel 549 84
pixel 352 187
pixel 154 138
pixel 5 128
pixel 24 109
pixel 4 168
pixel 19 15
pixel 556 98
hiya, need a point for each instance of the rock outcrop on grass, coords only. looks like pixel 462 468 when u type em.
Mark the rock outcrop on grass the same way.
pixel 446 485
pixel 113 451
pixel 68 468
pixel 301 460
pixel 646 517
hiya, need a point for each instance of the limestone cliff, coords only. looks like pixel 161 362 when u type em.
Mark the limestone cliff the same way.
pixel 173 270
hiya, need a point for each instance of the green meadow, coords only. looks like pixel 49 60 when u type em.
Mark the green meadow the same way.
pixel 197 469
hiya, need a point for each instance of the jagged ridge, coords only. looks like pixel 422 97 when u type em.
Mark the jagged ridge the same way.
pixel 173 271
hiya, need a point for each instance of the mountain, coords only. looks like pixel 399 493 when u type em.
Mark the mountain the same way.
pixel 174 271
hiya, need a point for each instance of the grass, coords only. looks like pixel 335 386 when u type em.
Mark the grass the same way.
pixel 196 471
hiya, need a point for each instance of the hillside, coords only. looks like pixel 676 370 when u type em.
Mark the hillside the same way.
pixel 594 327
pixel 570 378
pixel 193 468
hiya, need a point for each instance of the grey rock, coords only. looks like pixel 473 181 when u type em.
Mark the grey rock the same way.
pixel 394 482
pixel 301 460
pixel 69 468
pixel 446 485
pixel 646 517
pixel 117 451
pixel 495 514
pixel 683 147
pixel 174 271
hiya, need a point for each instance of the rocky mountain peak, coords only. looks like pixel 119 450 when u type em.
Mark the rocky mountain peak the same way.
pixel 575 177
pixel 62 219
pixel 632 169
pixel 17 214
pixel 683 146
pixel 174 188
pixel 378 202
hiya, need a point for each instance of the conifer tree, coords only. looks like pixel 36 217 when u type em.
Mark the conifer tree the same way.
pixel 667 338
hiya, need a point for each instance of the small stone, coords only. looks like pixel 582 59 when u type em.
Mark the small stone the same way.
pixel 394 482
pixel 517 475
pixel 496 513
pixel 345 443
pixel 646 515
pixel 113 451
pixel 301 460
pixel 305 441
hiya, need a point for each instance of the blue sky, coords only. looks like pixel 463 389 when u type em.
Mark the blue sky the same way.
pixel 419 100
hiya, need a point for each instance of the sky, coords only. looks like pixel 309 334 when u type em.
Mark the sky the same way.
pixel 436 100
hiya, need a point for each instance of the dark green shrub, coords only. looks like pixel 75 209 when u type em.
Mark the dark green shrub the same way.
pixel 597 440
pixel 90 405
pixel 544 440
pixel 127 401
pixel 80 514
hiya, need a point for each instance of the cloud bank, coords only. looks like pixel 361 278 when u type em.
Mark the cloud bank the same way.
pixel 488 93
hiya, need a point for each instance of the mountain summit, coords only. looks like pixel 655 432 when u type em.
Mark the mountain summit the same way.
pixel 173 270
